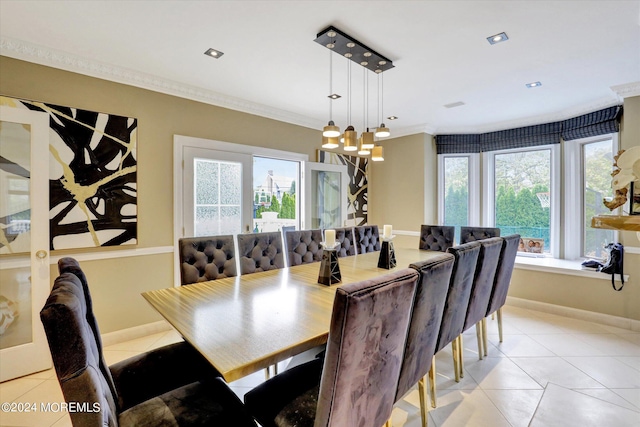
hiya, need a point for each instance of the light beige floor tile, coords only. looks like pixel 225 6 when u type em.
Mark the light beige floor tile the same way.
pixel 445 376
pixel 115 356
pixel 406 412
pixel 533 325
pixel 11 390
pixel 48 392
pixel 494 373
pixel 555 370
pixel 633 361
pixel 631 395
pixel 608 396
pixel 517 406
pixel 608 371
pixel 576 326
pixel 65 421
pixel 562 407
pixel 170 337
pixel 469 408
pixel 43 375
pixel 138 345
pixel 611 344
pixel 519 346
pixel 633 338
pixel 567 345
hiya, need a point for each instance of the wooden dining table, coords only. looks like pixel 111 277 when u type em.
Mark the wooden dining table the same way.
pixel 246 323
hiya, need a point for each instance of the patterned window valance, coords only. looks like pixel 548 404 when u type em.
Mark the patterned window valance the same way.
pixel 597 123
pixel 528 136
pixel 456 144
pixel 593 124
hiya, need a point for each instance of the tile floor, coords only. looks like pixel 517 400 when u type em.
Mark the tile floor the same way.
pixel 549 371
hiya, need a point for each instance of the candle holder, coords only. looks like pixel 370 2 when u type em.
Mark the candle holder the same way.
pixel 387 257
pixel 329 267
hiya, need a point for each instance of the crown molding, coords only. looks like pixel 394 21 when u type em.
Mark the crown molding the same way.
pixel 411 130
pixel 63 60
pixel 627 90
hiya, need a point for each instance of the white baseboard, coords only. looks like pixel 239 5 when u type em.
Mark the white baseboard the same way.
pixel 591 316
pixel 129 334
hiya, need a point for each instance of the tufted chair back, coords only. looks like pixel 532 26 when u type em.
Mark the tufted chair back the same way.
pixel 455 309
pixel 436 237
pixel 471 234
pixel 260 252
pixel 367 238
pixel 364 350
pixel 206 258
pixel 426 316
pixel 483 281
pixel 347 244
pixel 303 246
pixel 76 354
pixel 504 270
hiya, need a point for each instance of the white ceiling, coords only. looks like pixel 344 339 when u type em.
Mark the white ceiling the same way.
pixel 272 67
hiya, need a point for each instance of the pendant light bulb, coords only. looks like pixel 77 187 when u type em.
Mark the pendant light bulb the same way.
pixel 331 130
pixel 350 139
pixel 378 154
pixel 330 142
pixel 382 131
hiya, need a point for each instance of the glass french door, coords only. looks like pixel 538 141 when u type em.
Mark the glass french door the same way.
pixel 24 241
pixel 325 195
pixel 218 198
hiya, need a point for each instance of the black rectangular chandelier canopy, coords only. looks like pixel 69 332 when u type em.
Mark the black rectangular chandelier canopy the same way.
pixel 347 46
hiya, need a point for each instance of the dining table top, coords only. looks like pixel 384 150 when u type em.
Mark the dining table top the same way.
pixel 249 322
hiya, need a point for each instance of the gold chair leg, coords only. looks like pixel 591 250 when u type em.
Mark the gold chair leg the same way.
pixel 500 323
pixel 479 338
pixel 485 340
pixel 461 356
pixel 432 382
pixel 493 316
pixel 424 409
pixel 387 424
pixel 455 353
pixel 275 369
pixel 267 374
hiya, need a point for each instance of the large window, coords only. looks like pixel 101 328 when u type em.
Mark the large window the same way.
pixel 597 161
pixel 521 193
pixel 522 184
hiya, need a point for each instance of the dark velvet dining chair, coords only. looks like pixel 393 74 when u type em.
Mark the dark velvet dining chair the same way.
pixel 347 247
pixel 455 309
pixel 436 237
pixel 424 327
pixel 355 384
pixel 472 234
pixel 260 252
pixel 171 385
pixel 481 290
pixel 501 282
pixel 367 238
pixel 303 246
pixel 206 258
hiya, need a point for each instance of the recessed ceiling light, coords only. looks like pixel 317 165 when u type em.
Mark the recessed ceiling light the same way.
pixel 334 96
pixel 392 117
pixel 214 53
pixel 498 38
pixel 533 84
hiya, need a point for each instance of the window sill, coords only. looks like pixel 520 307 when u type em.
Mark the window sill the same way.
pixel 561 266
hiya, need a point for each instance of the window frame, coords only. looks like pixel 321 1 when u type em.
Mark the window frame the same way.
pixel 573 202
pixel 473 213
pixel 488 191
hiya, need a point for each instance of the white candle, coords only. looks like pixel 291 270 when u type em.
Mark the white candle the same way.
pixel 387 231
pixel 330 238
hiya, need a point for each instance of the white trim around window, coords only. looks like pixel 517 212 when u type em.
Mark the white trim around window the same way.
pixel 488 191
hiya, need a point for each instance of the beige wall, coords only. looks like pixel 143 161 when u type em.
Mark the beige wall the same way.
pixel 401 184
pixel 117 283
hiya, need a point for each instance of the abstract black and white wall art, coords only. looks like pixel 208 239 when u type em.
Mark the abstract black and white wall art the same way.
pixel 92 176
pixel 358 184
